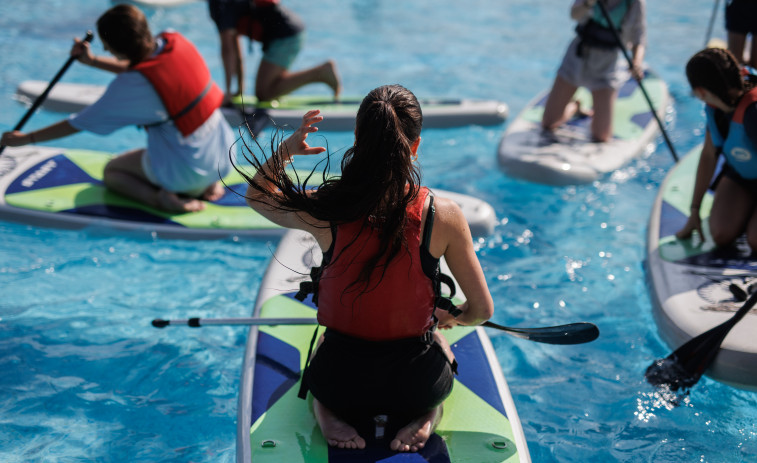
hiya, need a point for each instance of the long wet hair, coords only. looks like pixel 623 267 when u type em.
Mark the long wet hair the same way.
pixel 125 29
pixel 717 70
pixel 378 177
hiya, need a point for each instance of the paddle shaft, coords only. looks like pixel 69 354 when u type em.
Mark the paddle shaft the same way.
pixel 574 333
pixel 641 84
pixel 41 98
pixel 249 321
pixel 712 22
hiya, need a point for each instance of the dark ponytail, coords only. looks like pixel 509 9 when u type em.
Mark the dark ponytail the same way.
pixel 378 179
pixel 718 71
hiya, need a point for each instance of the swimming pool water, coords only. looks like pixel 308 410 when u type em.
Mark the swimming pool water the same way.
pixel 86 378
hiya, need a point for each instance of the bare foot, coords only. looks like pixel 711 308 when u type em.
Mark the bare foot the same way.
pixel 171 202
pixel 214 192
pixel 331 78
pixel 413 437
pixel 337 432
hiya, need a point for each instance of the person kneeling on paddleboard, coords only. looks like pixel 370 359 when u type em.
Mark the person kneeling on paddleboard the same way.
pixel 717 78
pixel 163 85
pixel 378 289
pixel 594 60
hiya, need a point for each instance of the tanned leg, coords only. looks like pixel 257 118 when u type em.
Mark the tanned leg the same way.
pixel 557 109
pixel 123 174
pixel 601 123
pixel 274 81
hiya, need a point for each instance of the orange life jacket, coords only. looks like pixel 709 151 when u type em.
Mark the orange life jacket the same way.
pixel 183 81
pixel 400 305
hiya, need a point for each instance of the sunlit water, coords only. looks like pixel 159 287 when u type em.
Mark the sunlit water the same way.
pixel 85 377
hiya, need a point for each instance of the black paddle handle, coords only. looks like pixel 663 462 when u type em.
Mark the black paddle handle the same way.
pixel 41 98
pixel 641 85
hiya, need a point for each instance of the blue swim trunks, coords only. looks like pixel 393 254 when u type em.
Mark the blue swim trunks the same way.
pixel 283 52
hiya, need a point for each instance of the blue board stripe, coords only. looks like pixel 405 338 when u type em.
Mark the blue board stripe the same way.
pixel 52 172
pixel 671 220
pixel 435 451
pixel 474 370
pixel 121 213
pixel 277 369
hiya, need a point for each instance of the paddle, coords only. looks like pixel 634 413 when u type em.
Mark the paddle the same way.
pixel 712 21
pixel 614 30
pixel 683 368
pixel 41 98
pixel 573 333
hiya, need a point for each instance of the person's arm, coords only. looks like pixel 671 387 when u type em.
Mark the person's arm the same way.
pixel 265 202
pixel 233 64
pixel 81 51
pixel 581 9
pixel 638 61
pixel 51 132
pixel 635 31
pixel 451 238
pixel 707 162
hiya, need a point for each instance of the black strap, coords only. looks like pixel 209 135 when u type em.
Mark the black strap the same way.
pixel 310 286
pixel 303 392
pixel 443 302
pixel 186 109
pixel 429 225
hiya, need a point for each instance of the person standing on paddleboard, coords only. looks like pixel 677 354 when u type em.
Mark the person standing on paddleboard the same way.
pixel 281 34
pixel 740 22
pixel 718 79
pixel 378 290
pixel 163 85
pixel 594 60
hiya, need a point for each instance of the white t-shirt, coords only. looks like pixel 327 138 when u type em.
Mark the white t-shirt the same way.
pixel 177 163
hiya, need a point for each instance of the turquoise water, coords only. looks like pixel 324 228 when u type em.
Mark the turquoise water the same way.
pixel 85 377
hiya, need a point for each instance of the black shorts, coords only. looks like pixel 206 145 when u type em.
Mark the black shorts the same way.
pixel 741 16
pixel 356 379
pixel 730 172
pixel 226 13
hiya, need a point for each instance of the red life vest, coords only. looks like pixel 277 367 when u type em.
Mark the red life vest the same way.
pixel 182 79
pixel 401 305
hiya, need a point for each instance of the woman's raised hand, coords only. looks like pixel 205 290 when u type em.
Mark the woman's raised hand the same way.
pixel 297 142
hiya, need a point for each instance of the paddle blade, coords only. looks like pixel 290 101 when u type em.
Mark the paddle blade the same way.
pixel 573 333
pixel 683 368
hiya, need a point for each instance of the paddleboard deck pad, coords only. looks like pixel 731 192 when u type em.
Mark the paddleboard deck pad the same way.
pixel 480 423
pixel 696 286
pixel 568 156
pixel 287 110
pixel 61 187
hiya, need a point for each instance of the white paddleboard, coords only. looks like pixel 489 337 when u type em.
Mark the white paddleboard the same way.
pixel 695 286
pixel 287 110
pixel 568 156
pixel 62 187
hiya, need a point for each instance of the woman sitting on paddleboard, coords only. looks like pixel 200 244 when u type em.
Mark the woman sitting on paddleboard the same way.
pixel 164 86
pixel 593 60
pixel 378 294
pixel 716 78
